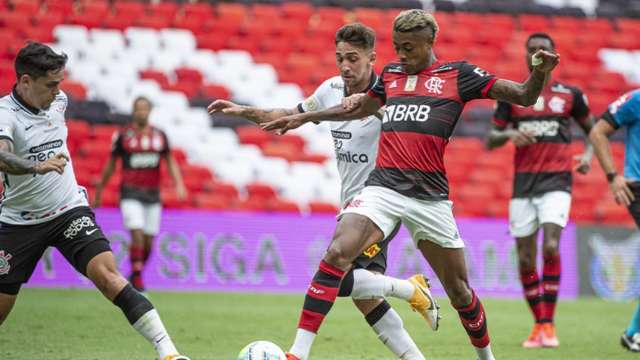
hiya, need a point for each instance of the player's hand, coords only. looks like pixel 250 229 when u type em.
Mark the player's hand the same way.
pixel 284 124
pixel 353 102
pixel 181 191
pixel 584 163
pixel 621 191
pixel 522 138
pixel 56 163
pixel 545 61
pixel 225 107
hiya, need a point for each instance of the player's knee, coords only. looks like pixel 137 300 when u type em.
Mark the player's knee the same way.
pixel 550 248
pixel 337 257
pixel 526 262
pixel 109 281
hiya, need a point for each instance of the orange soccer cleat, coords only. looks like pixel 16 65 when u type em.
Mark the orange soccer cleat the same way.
pixel 291 356
pixel 535 338
pixel 548 336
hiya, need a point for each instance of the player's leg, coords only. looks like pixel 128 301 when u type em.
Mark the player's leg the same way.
pixel 152 216
pixel 133 217
pixel 631 337
pixel 523 226
pixel 553 212
pixel 6 304
pixel 435 232
pixel 353 234
pixel 88 250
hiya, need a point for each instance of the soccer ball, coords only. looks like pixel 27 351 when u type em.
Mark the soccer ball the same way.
pixel 261 350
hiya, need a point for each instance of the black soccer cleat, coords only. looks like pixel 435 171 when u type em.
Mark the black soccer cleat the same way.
pixel 631 343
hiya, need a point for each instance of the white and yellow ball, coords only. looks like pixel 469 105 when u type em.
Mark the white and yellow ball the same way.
pixel 262 350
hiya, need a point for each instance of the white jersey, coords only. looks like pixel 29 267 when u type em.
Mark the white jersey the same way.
pixel 37 136
pixel 355 141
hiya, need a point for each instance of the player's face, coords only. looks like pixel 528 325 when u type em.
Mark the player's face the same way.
pixel 413 49
pixel 354 63
pixel 41 91
pixel 536 44
pixel 141 111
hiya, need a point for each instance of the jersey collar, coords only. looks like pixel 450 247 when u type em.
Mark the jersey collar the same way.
pixel 23 104
pixel 372 81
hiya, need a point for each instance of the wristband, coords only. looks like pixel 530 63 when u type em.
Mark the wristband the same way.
pixel 610 176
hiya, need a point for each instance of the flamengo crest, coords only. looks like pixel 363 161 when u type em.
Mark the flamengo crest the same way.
pixel 4 262
pixel 434 85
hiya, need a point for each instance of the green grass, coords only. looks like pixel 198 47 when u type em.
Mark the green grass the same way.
pixel 78 324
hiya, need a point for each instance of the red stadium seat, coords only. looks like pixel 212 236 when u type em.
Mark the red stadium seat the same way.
pixel 233 13
pixel 266 13
pixel 260 190
pixel 119 22
pixel 214 92
pixel 129 8
pixel 253 135
pixel 190 90
pixel 297 10
pixel 154 22
pixel 75 90
pixel 166 9
pixel 26 7
pixel 284 206
pixel 318 207
pixel 213 202
pixel 61 6
pixel 188 75
pixel 157 76
pixel 15 20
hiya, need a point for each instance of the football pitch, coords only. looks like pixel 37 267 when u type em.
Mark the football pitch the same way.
pixel 80 324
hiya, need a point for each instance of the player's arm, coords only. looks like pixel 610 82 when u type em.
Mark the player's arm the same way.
pixel 107 172
pixel 500 134
pixel 253 114
pixel 356 106
pixel 599 137
pixel 584 160
pixel 12 164
pixel 526 94
pixel 176 175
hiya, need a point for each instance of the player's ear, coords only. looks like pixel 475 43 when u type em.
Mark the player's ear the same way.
pixel 372 57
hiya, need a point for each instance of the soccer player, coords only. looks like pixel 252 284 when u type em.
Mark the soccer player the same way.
pixel 542 184
pixel 624 112
pixel 141 147
pixel 43 205
pixel 355 56
pixel 424 99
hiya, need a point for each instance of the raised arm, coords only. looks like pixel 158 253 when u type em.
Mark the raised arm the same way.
pixel 253 114
pixel 12 164
pixel 526 94
pixel 354 107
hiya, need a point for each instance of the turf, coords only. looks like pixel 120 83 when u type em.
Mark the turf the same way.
pixel 80 324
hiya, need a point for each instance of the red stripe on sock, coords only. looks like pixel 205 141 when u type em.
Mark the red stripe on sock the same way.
pixel 331 270
pixel 531 287
pixel 476 327
pixel 310 321
pixel 551 267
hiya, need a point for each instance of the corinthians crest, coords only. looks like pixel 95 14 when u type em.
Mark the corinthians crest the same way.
pixel 4 262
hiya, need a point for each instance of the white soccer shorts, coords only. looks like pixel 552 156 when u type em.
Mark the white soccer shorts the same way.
pixel 141 216
pixel 425 219
pixel 527 214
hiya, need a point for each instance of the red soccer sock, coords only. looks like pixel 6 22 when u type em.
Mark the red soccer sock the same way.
pixel 550 285
pixel 474 321
pixel 531 286
pixel 320 296
pixel 136 257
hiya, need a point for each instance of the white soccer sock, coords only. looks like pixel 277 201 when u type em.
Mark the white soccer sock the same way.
pixel 150 326
pixel 367 285
pixel 393 335
pixel 485 353
pixel 302 344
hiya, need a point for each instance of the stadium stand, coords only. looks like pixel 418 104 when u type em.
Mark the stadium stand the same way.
pixel 182 56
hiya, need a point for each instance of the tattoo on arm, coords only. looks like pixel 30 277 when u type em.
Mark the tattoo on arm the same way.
pixel 260 116
pixel 524 94
pixel 12 164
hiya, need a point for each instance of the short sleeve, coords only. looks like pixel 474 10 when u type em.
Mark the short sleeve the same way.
pixel 473 82
pixel 166 149
pixel 117 148
pixel 580 108
pixel 317 100
pixel 378 91
pixel 502 114
pixel 7 124
pixel 624 111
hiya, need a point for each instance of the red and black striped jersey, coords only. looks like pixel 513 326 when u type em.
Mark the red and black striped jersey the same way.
pixel 545 165
pixel 141 152
pixel 421 113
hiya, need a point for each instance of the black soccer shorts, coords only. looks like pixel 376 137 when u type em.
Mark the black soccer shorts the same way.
pixel 634 208
pixel 375 257
pixel 75 234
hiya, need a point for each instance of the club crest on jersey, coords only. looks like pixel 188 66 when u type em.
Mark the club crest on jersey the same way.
pixel 412 80
pixel 556 104
pixel 4 262
pixel 434 85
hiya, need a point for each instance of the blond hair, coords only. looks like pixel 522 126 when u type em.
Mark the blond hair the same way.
pixel 415 20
